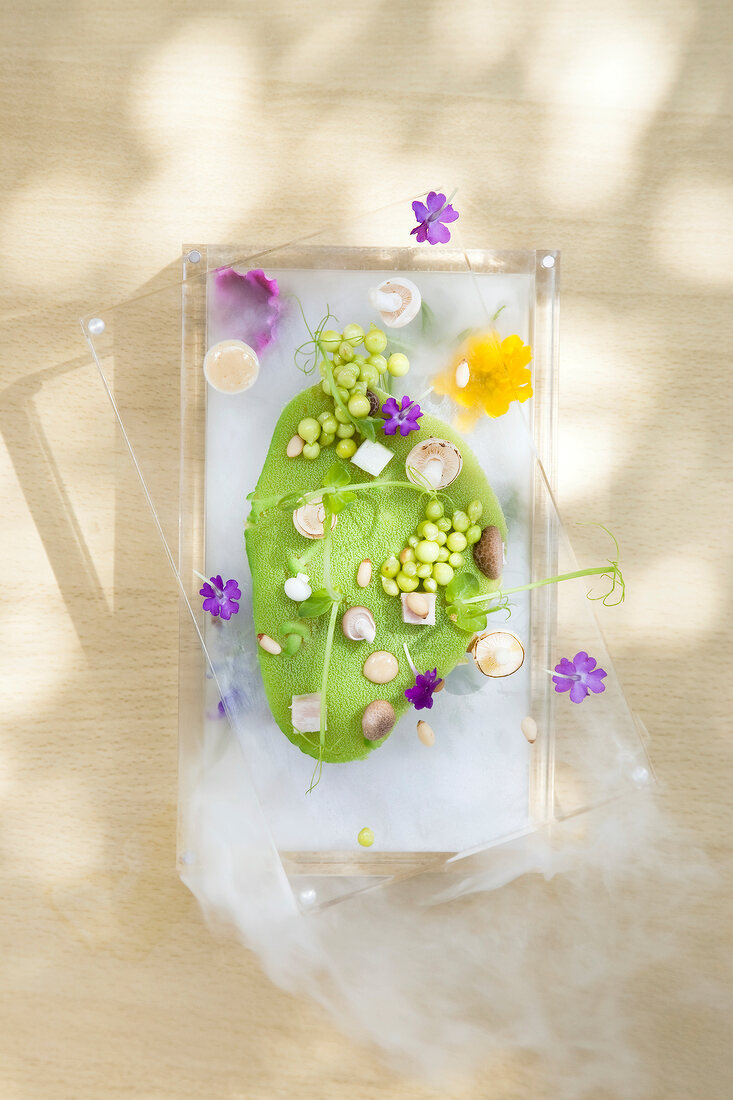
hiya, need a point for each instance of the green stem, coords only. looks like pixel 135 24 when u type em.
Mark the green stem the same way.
pixel 501 592
pixel 324 677
pixel 363 486
pixel 335 596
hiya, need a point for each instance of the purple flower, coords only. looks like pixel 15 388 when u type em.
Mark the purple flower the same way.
pixel 405 418
pixel 421 695
pixel 579 676
pixel 432 218
pixel 245 307
pixel 221 599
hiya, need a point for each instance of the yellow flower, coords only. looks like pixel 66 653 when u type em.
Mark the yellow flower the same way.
pixel 497 375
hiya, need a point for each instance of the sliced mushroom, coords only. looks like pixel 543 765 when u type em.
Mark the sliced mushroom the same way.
pixel 488 553
pixel 358 624
pixel 397 300
pixel 435 461
pixel 498 653
pixel 309 520
pixel 378 719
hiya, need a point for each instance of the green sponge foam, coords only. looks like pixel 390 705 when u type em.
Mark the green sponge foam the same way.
pixel 374 526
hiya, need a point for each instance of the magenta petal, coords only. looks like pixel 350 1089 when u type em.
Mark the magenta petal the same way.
pixel 421 232
pixel 438 233
pixel 420 211
pixel 561 685
pixel 448 215
pixel 436 200
pixel 578 692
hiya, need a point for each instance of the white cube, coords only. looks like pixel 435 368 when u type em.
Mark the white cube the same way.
pixel 372 457
pixel 409 616
pixel 306 712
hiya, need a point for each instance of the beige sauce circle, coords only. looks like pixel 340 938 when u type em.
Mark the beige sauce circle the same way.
pixel 231 366
pixel 381 667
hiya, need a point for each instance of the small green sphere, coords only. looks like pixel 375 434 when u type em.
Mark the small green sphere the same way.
pixel 379 362
pixel 413 541
pixel 353 334
pixel 359 405
pixel 456 542
pixel 440 538
pixel 475 511
pixel 460 521
pixel 311 450
pixel 429 530
pixel 359 361
pixel 375 340
pixel 326 386
pixel 409 569
pixel 390 567
pixel 341 416
pixel 366 836
pixel 390 586
pixel 430 585
pixel 473 534
pixel 326 439
pixel 408 554
pixel 424 571
pixel 442 573
pixel 345 448
pixel 345 431
pixel 346 352
pixel 434 510
pixel 398 364
pixel 369 374
pixel 359 387
pixel 309 429
pixel 427 551
pixel 455 561
pixel 330 339
pixel 346 377
pixel 443 524
pixel 443 553
pixel 407 583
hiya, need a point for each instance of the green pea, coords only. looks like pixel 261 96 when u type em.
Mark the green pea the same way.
pixel 409 569
pixel 440 538
pixel 328 421
pixel 408 554
pixel 413 541
pixel 475 511
pixel 430 585
pixel 379 362
pixel 345 448
pixel 427 551
pixel 408 584
pixel 353 334
pixel 345 431
pixel 443 553
pixel 309 429
pixel 424 570
pixel 326 386
pixel 368 374
pixel 434 510
pixel 443 524
pixel 330 340
pixel 473 534
pixel 460 521
pixel 346 377
pixel 327 439
pixel 456 542
pixel 390 567
pixel 390 586
pixel 442 573
pixel 341 416
pixel 346 352
pixel 429 530
pixel 455 561
pixel 311 450
pixel 359 405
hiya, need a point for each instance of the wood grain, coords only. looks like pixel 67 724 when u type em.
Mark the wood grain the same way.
pixel 603 129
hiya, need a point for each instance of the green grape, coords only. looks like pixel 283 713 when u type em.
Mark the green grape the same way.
pixel 443 553
pixel 379 362
pixel 456 561
pixel 341 416
pixel 330 340
pixel 440 538
pixel 429 530
pixel 427 551
pixel 456 542
pixel 375 340
pixel 309 429
pixel 359 361
pixel 408 554
pixel 359 387
pixel 434 510
pixel 398 364
pixel 442 573
pixel 368 374
pixel 475 511
pixel 443 524
pixel 430 585
pixel 346 377
pixel 409 569
pixel 345 448
pixel 390 567
pixel 423 571
pixel 408 584
pixel 473 534
pixel 327 439
pixel 413 541
pixel 359 405
pixel 345 431
pixel 460 521
pixel 346 352
pixel 390 586
pixel 311 450
pixel 353 334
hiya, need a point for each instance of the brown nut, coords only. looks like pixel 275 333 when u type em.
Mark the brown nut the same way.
pixel 488 553
pixel 378 719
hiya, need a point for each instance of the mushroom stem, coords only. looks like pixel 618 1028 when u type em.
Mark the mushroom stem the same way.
pixel 384 301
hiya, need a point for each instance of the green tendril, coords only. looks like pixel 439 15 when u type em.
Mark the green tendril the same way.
pixel 318 770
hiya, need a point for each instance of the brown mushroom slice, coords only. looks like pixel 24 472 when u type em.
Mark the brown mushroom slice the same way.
pixel 498 653
pixel 397 301
pixel 488 553
pixel 435 462
pixel 309 519
pixel 378 719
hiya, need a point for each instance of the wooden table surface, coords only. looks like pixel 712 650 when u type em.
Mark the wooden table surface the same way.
pixel 603 129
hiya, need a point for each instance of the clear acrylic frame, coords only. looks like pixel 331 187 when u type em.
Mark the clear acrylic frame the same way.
pixel 582 755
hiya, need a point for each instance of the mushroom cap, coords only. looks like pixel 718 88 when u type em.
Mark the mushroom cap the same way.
pixel 488 553
pixel 428 454
pixel 309 519
pixel 378 719
pixel 358 624
pixel 498 653
pixel 411 301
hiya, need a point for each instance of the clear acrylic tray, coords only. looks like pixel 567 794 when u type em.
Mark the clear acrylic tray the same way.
pixel 482 784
